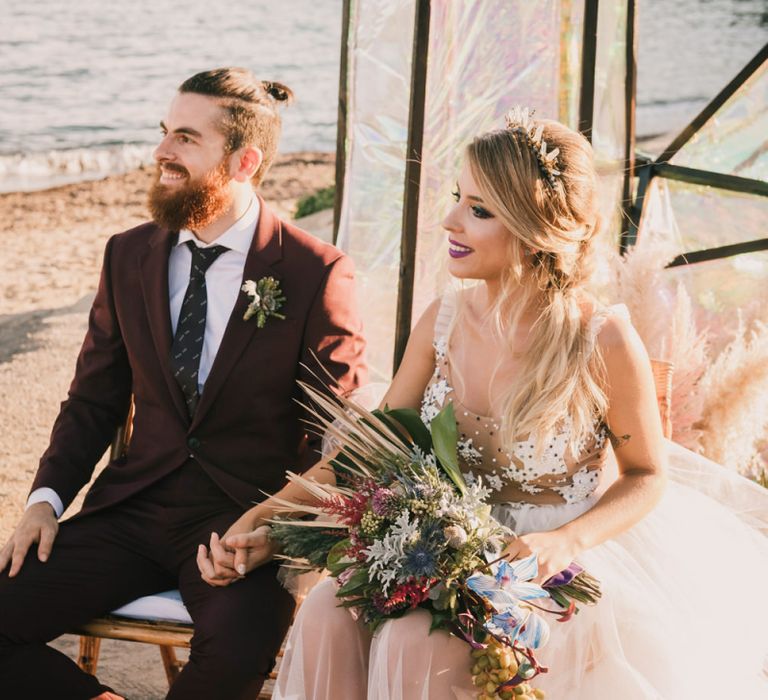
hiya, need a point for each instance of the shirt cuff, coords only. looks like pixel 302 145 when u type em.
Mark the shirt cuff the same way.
pixel 46 495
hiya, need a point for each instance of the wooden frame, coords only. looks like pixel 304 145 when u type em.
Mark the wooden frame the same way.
pixel 412 184
pixel 648 168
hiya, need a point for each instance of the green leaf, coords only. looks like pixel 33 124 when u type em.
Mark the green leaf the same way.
pixel 357 581
pixel 396 429
pixel 342 465
pixel 336 561
pixel 410 419
pixel 440 620
pixel 445 438
pixel 335 554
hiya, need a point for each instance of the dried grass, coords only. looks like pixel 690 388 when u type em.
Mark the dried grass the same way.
pixel 735 395
pixel 642 285
pixel 663 317
pixel 720 383
pixel 687 348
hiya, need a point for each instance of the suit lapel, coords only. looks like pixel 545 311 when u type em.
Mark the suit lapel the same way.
pixel 265 251
pixel 154 286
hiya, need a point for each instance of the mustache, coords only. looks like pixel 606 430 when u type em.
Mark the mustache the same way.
pixel 174 167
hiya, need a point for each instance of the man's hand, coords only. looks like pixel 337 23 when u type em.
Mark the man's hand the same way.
pixel 38 524
pixel 217 564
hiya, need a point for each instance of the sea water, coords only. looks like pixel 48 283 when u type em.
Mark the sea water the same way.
pixel 84 83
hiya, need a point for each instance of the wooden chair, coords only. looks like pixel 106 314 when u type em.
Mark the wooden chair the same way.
pixel 169 635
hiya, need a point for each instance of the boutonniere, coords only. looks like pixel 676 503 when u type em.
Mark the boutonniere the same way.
pixel 266 300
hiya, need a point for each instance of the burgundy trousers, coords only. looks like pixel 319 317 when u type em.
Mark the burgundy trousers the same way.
pixel 144 545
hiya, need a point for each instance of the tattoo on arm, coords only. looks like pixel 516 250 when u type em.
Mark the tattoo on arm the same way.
pixel 617 441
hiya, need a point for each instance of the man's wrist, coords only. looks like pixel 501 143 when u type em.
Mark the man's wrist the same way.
pixel 42 506
pixel 49 496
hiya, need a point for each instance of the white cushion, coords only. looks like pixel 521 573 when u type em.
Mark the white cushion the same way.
pixel 160 606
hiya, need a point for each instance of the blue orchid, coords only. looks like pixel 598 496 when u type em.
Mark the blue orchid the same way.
pixel 506 591
pixel 520 624
pixel 510 583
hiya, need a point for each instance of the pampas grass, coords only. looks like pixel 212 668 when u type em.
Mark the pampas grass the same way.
pixel 641 284
pixel 687 348
pixel 662 315
pixel 720 381
pixel 735 395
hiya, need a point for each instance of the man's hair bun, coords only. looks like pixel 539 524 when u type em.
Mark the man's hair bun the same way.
pixel 278 91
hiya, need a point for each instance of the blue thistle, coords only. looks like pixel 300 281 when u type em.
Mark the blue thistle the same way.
pixel 420 561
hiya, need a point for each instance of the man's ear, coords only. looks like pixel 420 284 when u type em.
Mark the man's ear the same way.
pixel 246 161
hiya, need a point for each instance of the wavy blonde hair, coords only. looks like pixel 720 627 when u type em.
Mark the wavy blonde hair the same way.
pixel 552 229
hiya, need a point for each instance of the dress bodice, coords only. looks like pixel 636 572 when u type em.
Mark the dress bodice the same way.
pixel 517 472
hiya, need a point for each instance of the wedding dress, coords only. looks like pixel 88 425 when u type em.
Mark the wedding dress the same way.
pixel 683 614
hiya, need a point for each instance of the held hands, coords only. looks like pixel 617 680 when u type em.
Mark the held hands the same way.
pixel 554 551
pixel 231 557
pixel 38 524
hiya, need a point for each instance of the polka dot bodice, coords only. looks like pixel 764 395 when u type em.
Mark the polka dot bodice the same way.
pixel 516 473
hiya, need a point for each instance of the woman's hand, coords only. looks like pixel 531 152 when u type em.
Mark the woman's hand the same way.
pixel 222 563
pixel 554 551
pixel 251 549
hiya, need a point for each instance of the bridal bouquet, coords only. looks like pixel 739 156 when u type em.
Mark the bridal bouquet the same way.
pixel 401 529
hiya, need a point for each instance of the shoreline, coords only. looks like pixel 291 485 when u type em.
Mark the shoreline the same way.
pixel 54 239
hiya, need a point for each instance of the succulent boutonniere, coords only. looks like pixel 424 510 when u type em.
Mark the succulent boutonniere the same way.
pixel 266 300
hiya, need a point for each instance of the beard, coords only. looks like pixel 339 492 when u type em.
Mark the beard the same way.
pixel 192 205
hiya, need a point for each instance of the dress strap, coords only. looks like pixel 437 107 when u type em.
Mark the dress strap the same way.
pixel 445 315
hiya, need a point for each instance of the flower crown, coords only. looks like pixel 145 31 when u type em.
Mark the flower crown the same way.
pixel 519 121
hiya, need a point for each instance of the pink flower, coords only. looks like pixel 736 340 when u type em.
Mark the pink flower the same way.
pixel 383 502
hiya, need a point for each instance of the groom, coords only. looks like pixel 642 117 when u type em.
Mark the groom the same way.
pixel 216 421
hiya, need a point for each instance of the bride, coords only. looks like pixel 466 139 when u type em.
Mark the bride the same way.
pixel 556 407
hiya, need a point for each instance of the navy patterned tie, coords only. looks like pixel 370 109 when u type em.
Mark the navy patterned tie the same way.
pixel 188 341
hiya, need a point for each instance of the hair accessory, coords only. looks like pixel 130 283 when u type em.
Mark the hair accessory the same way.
pixel 519 121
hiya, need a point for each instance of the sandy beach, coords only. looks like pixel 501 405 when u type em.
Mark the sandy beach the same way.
pixel 52 248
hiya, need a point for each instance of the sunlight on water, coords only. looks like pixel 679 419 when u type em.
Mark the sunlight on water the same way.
pixel 84 83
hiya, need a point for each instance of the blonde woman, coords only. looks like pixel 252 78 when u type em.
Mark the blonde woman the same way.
pixel 549 388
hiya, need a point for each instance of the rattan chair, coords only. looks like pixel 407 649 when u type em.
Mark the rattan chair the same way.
pixel 171 634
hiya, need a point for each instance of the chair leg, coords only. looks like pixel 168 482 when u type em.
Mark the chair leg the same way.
pixel 88 659
pixel 171 663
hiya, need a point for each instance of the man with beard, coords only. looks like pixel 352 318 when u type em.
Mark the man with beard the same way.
pixel 204 319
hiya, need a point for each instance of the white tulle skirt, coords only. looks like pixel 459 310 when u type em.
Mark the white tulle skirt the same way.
pixel 683 616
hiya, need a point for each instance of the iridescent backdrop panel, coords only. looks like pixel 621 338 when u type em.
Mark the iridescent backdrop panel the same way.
pixel 483 59
pixel 726 290
pixel 697 218
pixel 610 118
pixel 379 84
pixel 708 217
pixel 735 139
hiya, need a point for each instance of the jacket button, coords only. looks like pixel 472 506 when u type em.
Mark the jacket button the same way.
pixel 193 443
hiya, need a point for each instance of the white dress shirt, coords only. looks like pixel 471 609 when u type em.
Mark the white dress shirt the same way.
pixel 223 280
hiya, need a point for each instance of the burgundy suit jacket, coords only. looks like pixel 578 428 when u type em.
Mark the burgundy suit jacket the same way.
pixel 247 429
